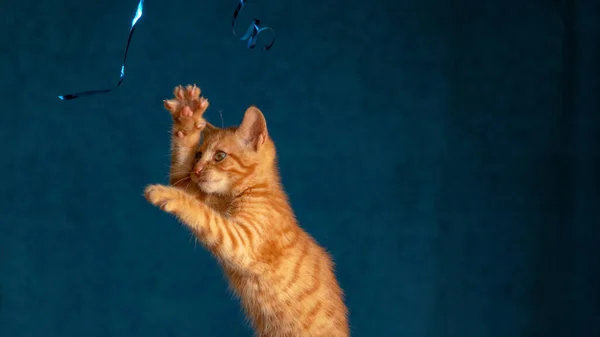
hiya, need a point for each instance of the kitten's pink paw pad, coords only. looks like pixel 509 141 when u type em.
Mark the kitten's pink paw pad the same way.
pixel 187 108
pixel 186 111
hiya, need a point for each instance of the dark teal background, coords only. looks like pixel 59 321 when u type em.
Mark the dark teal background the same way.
pixel 445 152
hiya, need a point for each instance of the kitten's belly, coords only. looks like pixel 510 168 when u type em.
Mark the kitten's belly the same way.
pixel 272 312
pixel 271 315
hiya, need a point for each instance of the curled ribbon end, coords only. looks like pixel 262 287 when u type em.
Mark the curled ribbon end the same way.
pixel 253 30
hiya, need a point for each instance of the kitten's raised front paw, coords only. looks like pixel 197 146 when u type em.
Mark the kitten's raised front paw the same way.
pixel 187 109
pixel 165 197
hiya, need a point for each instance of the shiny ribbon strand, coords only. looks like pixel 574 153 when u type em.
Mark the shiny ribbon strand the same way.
pixel 138 15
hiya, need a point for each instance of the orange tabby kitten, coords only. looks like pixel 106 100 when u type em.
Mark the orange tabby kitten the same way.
pixel 227 191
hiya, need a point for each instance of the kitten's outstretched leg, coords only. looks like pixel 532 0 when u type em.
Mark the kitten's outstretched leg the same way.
pixel 186 109
pixel 231 242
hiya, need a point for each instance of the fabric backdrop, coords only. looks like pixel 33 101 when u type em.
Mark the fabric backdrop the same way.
pixel 445 152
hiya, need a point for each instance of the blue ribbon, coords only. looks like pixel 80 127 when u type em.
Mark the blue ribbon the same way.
pixel 138 15
pixel 253 30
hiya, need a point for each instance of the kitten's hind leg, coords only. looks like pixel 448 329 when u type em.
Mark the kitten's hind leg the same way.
pixel 186 108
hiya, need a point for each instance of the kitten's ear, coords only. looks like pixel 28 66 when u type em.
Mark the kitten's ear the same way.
pixel 253 130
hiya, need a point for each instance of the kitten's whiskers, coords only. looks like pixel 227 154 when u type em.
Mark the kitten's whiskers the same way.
pixel 182 180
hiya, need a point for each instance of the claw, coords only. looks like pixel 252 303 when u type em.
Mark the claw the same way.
pixel 180 93
pixel 195 92
pixel 189 92
pixel 170 104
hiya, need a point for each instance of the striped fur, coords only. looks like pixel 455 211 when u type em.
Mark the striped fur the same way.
pixel 239 211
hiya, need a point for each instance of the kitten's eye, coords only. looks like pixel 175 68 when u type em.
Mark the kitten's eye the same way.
pixel 220 156
pixel 198 155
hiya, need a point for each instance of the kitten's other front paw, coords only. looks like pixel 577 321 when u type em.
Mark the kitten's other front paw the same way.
pixel 187 109
pixel 165 197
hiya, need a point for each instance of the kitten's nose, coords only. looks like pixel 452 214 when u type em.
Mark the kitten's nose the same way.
pixel 197 170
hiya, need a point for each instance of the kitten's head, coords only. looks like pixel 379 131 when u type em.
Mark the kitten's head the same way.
pixel 230 159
